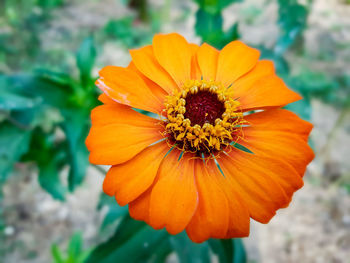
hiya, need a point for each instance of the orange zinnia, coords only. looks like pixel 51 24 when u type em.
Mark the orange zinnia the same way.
pixel 203 164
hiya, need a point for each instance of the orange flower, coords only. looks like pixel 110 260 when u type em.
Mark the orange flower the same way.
pixel 190 167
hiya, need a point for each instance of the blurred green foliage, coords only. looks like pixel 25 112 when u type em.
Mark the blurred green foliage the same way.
pixel 40 105
pixel 292 21
pixel 155 245
pixel 22 22
pixel 129 34
pixel 131 30
pixel 209 22
pixel 74 253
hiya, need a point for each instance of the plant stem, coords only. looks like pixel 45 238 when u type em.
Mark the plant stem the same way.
pixel 100 169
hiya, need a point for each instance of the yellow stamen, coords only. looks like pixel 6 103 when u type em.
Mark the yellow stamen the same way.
pixel 208 137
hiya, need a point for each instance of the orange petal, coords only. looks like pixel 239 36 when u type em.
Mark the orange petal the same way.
pixel 211 218
pixel 279 171
pixel 195 70
pixel 207 57
pixel 139 208
pixel 273 178
pixel 279 145
pixel 174 54
pixel 266 92
pixel 129 180
pixel 105 99
pixel 158 92
pixel 235 60
pixel 262 69
pixel 282 140
pixel 119 113
pixel 251 177
pixel 239 219
pixel 118 133
pixel 281 120
pixel 127 87
pixel 147 64
pixel 174 197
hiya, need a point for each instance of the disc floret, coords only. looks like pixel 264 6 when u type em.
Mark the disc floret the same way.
pixel 201 118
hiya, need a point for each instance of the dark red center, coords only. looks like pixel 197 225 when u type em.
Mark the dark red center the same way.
pixel 203 107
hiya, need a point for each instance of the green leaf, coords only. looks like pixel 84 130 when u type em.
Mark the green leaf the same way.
pixel 280 62
pixel 56 254
pixel 11 98
pixel 223 249
pixel 75 246
pixel 54 94
pixel 32 117
pixel 12 101
pixel 78 162
pixel 50 181
pixel 301 108
pixel 38 88
pixel 120 28
pixel 228 250
pixel 161 252
pixel 50 3
pixel 133 241
pixel 59 78
pixel 231 35
pixel 209 23
pixel 125 31
pixel 209 27
pixel 225 3
pixel 313 82
pixel 114 210
pixel 75 253
pixel 86 59
pixel 76 126
pixel 215 6
pixel 50 158
pixel 14 142
pixel 189 252
pixel 239 253
pixel 292 21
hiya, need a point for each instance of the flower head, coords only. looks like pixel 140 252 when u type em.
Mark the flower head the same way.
pixel 221 150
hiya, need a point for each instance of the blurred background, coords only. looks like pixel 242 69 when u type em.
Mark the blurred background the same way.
pixel 52 208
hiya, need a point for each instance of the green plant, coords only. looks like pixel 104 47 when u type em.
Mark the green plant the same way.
pixel 155 245
pixel 209 22
pixel 35 107
pixel 24 21
pixel 74 253
pixel 129 33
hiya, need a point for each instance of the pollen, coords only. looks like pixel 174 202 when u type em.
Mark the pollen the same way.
pixel 201 118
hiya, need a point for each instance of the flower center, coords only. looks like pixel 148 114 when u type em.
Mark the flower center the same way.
pixel 201 118
pixel 203 107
